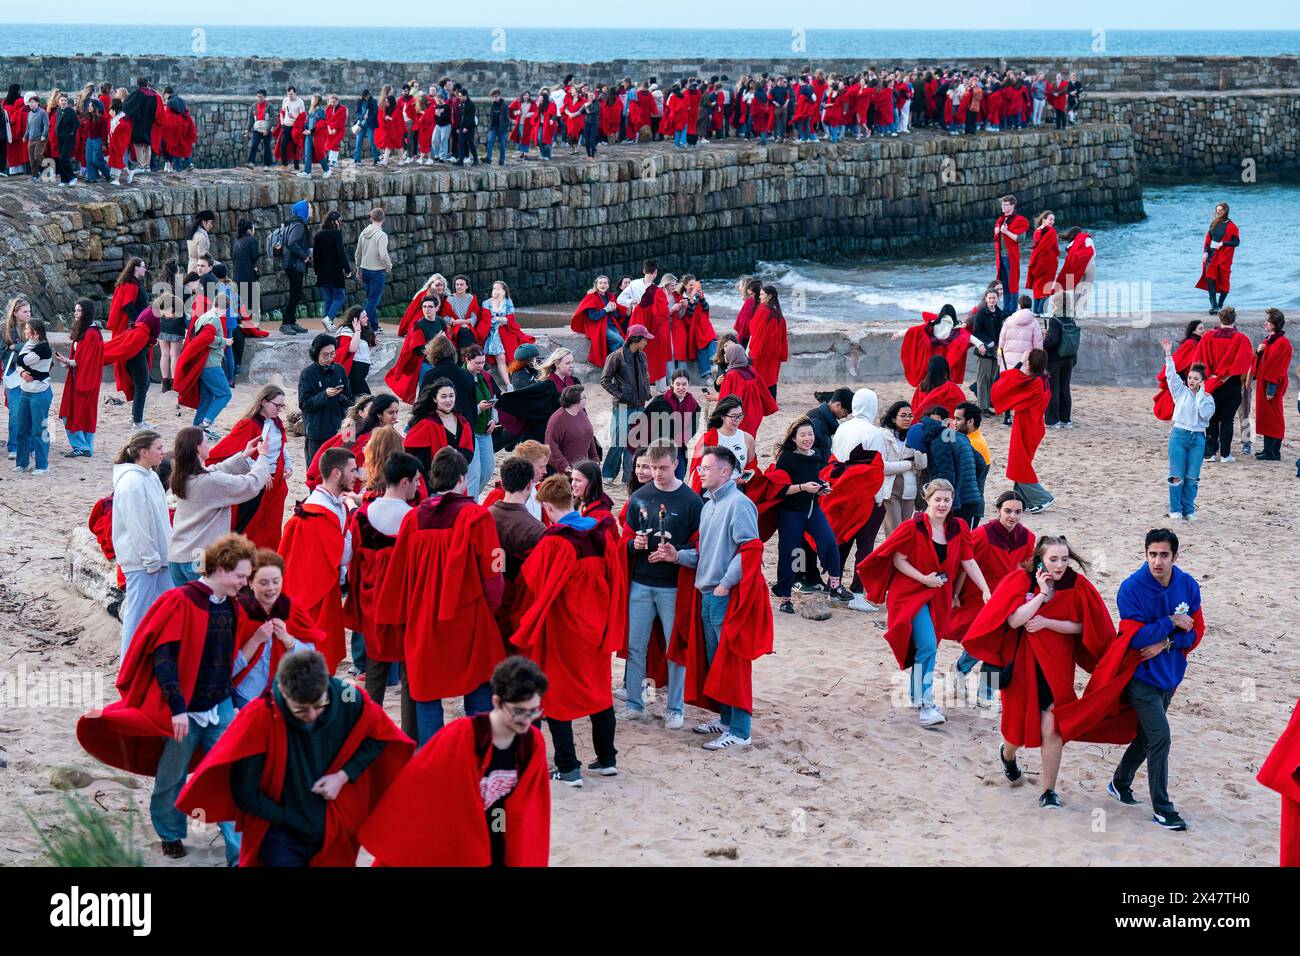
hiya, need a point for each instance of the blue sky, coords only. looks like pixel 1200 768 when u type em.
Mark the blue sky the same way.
pixel 763 14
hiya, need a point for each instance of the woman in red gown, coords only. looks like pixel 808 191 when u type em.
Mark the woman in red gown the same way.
pixel 1221 241
pixel 769 344
pixel 1272 372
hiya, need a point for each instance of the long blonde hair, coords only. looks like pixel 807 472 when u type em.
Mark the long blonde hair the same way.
pixel 384 442
pixel 552 362
pixel 10 326
pixel 609 286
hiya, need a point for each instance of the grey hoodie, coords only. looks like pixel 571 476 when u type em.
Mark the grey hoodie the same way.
pixel 372 249
pixel 141 529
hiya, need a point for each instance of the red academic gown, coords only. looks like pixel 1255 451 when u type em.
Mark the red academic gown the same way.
pixel 1281 772
pixel 903 597
pixel 129 734
pixel 1026 395
pixel 433 814
pixel 1020 226
pixel 16 150
pixel 252 616
pixel 1272 367
pixel 998 554
pixel 572 613
pixel 1053 654
pixel 79 403
pixel 123 295
pixel 512 334
pixel 947 395
pixel 260 518
pixel 372 551
pixel 336 121
pixel 179 134
pixel 1226 353
pixel 755 397
pixel 769 346
pixel 1076 262
pixel 920 345
pixel 429 433
pixel 447 548
pixel 312 548
pixel 413 311
pixel 594 331
pixel 313 477
pixel 852 497
pixel 404 377
pixel 260 730
pixel 655 318
pixel 1218 267
pixel 746 636
pixel 1042 262
pixel 100 523
pixel 190 366
pixel 1163 401
pixel 119 141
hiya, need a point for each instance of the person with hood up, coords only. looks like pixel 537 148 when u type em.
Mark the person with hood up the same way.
pixel 860 430
pixel 297 256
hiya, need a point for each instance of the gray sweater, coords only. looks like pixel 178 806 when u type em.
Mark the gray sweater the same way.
pixel 729 519
pixel 38 125
pixel 203 515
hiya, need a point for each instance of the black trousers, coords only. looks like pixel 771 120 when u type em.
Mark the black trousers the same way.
pixel 237 336
pixel 262 142
pixel 1272 449
pixel 295 297
pixel 602 738
pixel 1151 745
pixel 357 379
pixel 865 540
pixel 377 684
pixel 1227 399
pixel 1060 404
pixel 138 368
pixel 286 146
pixel 311 446
pixel 64 162
pixel 971 514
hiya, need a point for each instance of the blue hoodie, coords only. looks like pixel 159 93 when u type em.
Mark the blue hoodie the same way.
pixel 575 520
pixel 296 247
pixel 1142 598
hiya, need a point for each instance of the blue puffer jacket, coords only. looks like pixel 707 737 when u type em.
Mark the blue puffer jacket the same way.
pixel 928 435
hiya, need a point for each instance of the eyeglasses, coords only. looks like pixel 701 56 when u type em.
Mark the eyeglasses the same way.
pixel 519 714
pixel 735 416
pixel 299 710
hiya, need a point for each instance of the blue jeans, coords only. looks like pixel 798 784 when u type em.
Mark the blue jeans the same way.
pixel 1004 276
pixel 307 155
pixel 331 300
pixel 679 138
pixel 965 664
pixel 1039 304
pixel 95 164
pixel 173 767
pixel 480 469
pixel 11 398
pixel 357 645
pixel 366 135
pixel 613 341
pixel 428 713
pixel 790 526
pixel 214 395
pixel 373 281
pixel 34 427
pixel 82 441
pixel 142 589
pixel 927 645
pixel 441 141
pixel 498 141
pixel 282 848
pixel 713 610
pixel 643 604
pixel 617 455
pixel 545 150
pixel 182 572
pixel 1186 450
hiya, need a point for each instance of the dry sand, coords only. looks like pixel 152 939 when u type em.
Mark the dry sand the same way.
pixel 839 773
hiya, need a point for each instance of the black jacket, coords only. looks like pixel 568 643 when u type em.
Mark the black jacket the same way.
pixel 461 379
pixel 322 415
pixel 627 377
pixel 987 327
pixel 824 424
pixel 329 260
pixel 141 106
pixel 499 117
pixel 246 256
pixel 466 123
pixel 65 127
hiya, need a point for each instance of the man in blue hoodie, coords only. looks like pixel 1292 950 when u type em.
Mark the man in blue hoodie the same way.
pixel 949 455
pixel 1160 609
pixel 296 257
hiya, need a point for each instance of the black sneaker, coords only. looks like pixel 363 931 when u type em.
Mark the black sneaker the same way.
pixel 1170 820
pixel 787 607
pixel 842 593
pixel 810 587
pixel 1049 800
pixel 1011 769
pixel 173 849
pixel 1123 794
pixel 605 771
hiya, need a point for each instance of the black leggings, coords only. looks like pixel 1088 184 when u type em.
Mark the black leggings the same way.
pixel 602 738
pixel 357 378
pixel 1227 399
pixel 1216 297
pixel 1059 404
pixel 865 539
pixel 138 368
pixel 238 347
pixel 295 297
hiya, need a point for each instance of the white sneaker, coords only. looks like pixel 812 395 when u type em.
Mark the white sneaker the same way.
pixel 130 175
pixel 931 716
pixel 959 681
pixel 674 721
pixel 326 174
pixel 13 455
pixel 1175 514
pixel 304 175
pixel 1226 459
pixel 1191 518
pixel 860 603
pixel 726 741
pixel 630 713
pixel 41 471
pixel 714 726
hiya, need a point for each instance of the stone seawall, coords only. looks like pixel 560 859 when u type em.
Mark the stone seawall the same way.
pixel 549 228
pixel 236 75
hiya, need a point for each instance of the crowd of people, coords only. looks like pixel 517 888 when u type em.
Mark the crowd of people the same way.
pixel 113 133
pixel 475 551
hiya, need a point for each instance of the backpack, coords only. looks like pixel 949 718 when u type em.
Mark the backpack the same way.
pixel 275 241
pixel 1070 335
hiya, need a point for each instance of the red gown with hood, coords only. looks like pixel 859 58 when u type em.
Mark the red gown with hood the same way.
pixel 372 553
pixel 433 813
pixel 1076 261
pixel 1226 353
pixel 757 401
pixel 998 553
pixel 260 730
pixel 769 345
pixel 1026 395
pixel 79 403
pixel 1218 267
pixel 312 548
pixel 1048 652
pixel 1272 367
pixel 948 395
pixel 252 616
pixel 594 331
pixel 920 345
pixel 259 519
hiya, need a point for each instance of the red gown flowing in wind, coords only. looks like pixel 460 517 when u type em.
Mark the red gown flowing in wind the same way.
pixel 1026 395
pixel 259 519
pixel 755 398
pixel 998 553
pixel 769 344
pixel 920 345
pixel 595 331
pixel 312 548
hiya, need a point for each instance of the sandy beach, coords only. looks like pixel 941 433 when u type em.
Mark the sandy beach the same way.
pixel 839 773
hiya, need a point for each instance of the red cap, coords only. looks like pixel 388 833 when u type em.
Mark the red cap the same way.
pixel 640 330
